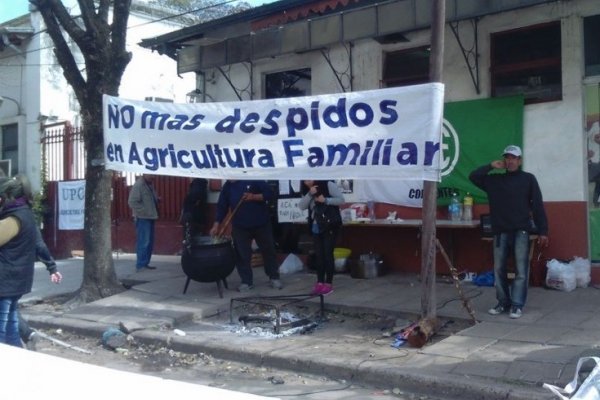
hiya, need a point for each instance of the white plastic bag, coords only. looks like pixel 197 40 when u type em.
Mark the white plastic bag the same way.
pixel 291 264
pixel 560 276
pixel 582 268
pixel 589 389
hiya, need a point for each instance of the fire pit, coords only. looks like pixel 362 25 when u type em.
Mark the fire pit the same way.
pixel 276 304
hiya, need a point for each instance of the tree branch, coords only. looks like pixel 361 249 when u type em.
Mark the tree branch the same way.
pixel 62 16
pixel 62 51
pixel 88 15
pixel 103 9
pixel 119 25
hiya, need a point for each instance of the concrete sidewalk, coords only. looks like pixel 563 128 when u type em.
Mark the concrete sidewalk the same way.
pixel 497 358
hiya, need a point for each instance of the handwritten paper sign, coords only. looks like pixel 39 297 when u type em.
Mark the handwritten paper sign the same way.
pixel 288 211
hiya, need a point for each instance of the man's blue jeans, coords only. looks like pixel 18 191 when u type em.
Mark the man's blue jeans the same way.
pixel 144 232
pixel 518 242
pixel 9 321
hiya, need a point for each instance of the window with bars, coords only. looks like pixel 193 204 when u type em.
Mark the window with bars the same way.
pixel 291 83
pixel 406 67
pixel 591 33
pixel 527 61
pixel 9 147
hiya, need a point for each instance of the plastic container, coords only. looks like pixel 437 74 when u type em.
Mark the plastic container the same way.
pixel 339 264
pixel 340 258
pixel 467 207
pixel 341 252
pixel 371 210
pixel 454 208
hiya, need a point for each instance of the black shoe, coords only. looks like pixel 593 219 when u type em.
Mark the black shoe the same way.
pixel 498 309
pixel 516 312
pixel 147 267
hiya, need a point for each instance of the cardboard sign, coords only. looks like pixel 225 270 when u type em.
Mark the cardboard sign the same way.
pixel 288 211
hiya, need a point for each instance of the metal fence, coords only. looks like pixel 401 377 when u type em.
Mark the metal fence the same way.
pixel 63 152
pixel 64 158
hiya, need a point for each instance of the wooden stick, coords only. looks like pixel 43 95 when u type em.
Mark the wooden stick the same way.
pixel 228 219
pixel 454 273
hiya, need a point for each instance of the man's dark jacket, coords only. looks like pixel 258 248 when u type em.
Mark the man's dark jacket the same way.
pixel 515 198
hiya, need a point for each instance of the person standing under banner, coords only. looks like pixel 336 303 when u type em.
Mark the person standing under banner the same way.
pixel 251 221
pixel 514 198
pixel 143 202
pixel 328 194
pixel 193 212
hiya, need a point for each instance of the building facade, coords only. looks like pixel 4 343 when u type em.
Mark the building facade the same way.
pixel 545 51
pixel 36 93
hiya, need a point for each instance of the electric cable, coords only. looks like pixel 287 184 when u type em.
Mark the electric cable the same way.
pixel 129 27
pixel 479 292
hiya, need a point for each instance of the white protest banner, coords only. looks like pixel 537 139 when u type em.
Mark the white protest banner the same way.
pixel 406 193
pixel 288 211
pixel 71 205
pixel 389 133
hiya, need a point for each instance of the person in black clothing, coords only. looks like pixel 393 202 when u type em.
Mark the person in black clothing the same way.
pixel 514 199
pixel 27 334
pixel 322 194
pixel 17 256
pixel 193 213
pixel 250 222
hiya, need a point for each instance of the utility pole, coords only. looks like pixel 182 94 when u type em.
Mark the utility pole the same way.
pixel 428 235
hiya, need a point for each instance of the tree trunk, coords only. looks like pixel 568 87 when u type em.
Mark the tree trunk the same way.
pixel 103 46
pixel 99 277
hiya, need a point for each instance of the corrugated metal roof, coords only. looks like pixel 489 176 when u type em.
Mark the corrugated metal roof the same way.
pixel 171 41
pixel 295 25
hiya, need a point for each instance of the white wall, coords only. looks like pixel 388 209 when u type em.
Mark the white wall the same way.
pixel 37 82
pixel 18 78
pixel 150 74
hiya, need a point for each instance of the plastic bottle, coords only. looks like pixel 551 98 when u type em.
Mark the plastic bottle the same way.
pixel 371 210
pixel 454 208
pixel 467 207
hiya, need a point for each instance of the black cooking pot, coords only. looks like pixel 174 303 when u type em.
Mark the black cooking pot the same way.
pixel 207 259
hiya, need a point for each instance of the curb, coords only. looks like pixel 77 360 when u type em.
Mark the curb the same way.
pixel 441 384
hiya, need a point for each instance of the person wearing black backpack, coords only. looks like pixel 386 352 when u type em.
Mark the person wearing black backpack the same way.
pixel 322 200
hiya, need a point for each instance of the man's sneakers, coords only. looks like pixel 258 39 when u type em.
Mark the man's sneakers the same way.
pixel 273 283
pixel 515 312
pixel 498 309
pixel 276 284
pixel 244 287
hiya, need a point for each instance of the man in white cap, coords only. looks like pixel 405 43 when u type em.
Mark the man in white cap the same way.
pixel 514 198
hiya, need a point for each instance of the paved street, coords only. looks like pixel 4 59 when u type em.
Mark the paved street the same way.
pixel 498 358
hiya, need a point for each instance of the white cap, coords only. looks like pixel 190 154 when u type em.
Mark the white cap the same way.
pixel 512 149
